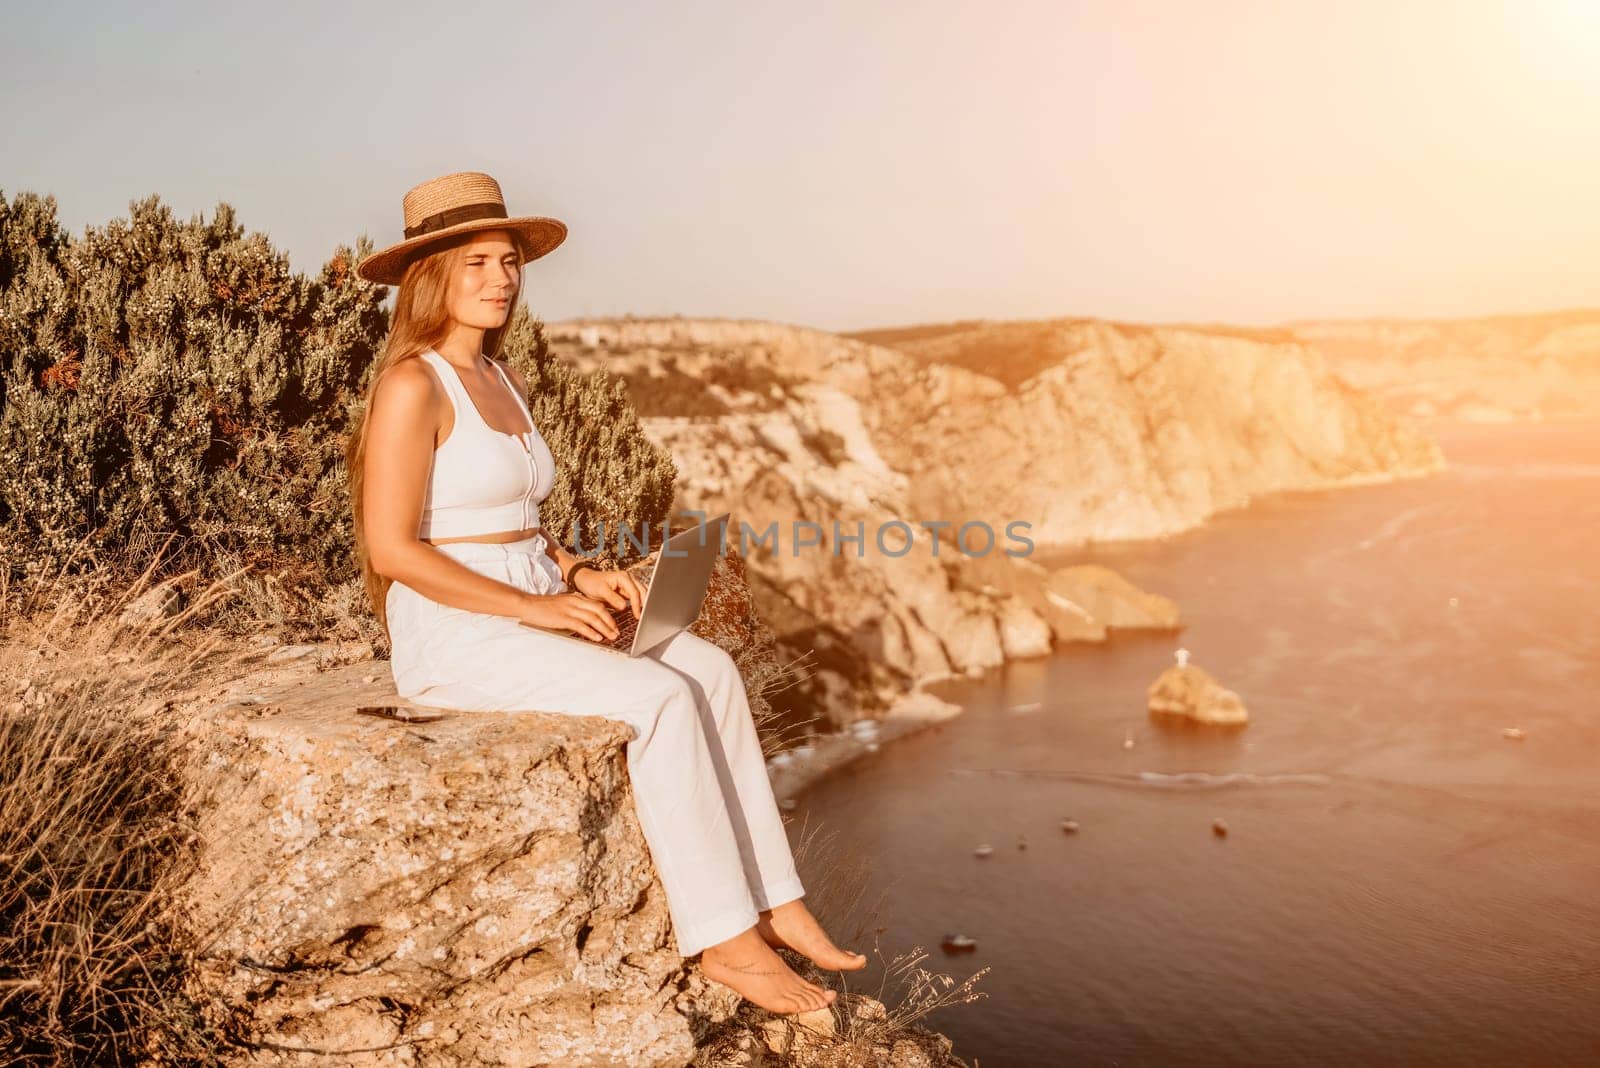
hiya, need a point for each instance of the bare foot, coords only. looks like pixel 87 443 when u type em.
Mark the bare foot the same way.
pixel 748 965
pixel 792 926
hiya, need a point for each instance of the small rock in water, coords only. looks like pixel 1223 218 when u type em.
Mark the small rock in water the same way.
pixel 958 943
pixel 1069 826
pixel 369 679
pixel 983 850
pixel 1516 734
pixel 1127 743
pixel 1219 827
pixel 1187 693
pixel 1022 841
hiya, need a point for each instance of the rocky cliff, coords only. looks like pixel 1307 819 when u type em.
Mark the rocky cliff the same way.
pixel 435 888
pixel 1107 431
pixel 1494 368
pixel 461 890
pixel 1082 431
pixel 446 889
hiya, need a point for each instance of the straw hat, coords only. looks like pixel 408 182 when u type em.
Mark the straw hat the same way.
pixel 455 204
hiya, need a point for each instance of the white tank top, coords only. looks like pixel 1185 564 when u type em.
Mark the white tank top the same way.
pixel 483 481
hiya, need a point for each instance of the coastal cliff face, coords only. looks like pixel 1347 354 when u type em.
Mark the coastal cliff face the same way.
pixel 780 434
pixel 425 886
pixel 468 890
pixel 1105 431
pixel 1082 430
pixel 464 889
pixel 451 890
pixel 1491 369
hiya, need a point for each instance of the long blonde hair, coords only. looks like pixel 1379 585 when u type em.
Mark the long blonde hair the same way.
pixel 421 321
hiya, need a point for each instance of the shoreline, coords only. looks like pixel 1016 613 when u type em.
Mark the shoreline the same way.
pixel 794 771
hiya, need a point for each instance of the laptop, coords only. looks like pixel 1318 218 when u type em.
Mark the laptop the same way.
pixel 673 598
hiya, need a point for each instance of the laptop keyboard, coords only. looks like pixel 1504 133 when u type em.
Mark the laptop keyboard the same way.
pixel 626 626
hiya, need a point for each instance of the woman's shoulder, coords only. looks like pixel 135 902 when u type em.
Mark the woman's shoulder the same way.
pixel 408 383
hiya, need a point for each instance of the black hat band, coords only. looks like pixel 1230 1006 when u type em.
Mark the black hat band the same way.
pixel 452 216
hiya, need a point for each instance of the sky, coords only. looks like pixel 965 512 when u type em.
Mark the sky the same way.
pixel 858 164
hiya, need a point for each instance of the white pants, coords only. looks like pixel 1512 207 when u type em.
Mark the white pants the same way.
pixel 700 782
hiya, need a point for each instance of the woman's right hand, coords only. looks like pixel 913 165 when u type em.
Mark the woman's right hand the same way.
pixel 575 612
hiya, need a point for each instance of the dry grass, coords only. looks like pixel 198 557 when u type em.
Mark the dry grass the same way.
pixel 837 879
pixel 777 729
pixel 93 834
pixel 305 610
pixel 917 992
pixel 296 603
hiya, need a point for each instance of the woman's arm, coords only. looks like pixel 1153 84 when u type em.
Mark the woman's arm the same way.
pixel 558 552
pixel 401 424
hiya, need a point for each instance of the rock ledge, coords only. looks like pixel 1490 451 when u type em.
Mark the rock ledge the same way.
pixel 473 889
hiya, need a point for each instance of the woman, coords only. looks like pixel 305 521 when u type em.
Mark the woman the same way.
pixel 447 473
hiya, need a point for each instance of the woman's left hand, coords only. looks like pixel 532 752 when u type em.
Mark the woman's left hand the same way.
pixel 615 588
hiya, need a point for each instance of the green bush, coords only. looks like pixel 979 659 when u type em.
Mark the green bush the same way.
pixel 608 472
pixel 165 377
pixel 174 383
